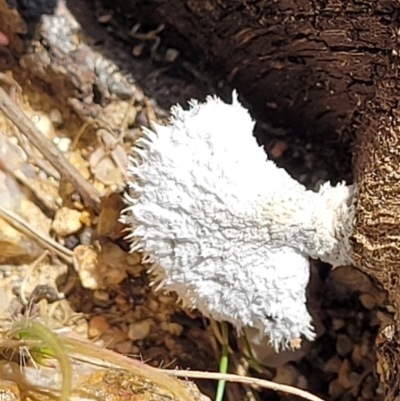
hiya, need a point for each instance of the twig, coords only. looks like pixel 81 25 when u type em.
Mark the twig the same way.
pixel 32 267
pixel 68 172
pixel 24 227
pixel 41 163
pixel 283 388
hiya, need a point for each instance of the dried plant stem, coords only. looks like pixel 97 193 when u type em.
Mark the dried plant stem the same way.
pixel 32 267
pixel 90 196
pixel 283 388
pixel 25 228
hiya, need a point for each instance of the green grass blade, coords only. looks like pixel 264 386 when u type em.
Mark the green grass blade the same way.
pixel 223 363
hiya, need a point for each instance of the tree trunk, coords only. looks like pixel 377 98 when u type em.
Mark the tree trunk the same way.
pixel 308 66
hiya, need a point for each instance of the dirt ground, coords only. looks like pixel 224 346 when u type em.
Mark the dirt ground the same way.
pixel 92 285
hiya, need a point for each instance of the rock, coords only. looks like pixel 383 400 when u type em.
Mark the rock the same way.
pixel 76 159
pixel 104 169
pixel 100 268
pixel 356 355
pixel 108 223
pixel 97 326
pixel 123 347
pixel 348 278
pixel 85 263
pixel 102 299
pixel 332 365
pixel 63 143
pixel 337 323
pixel 175 329
pixel 112 263
pixel 354 329
pixel 355 381
pixel 367 301
pixel 335 389
pixel 368 388
pixel 344 374
pixel 100 295
pixel 66 222
pixel 344 344
pixel 120 300
pixel 124 307
pixel 139 330
pixel 134 258
pixel 287 374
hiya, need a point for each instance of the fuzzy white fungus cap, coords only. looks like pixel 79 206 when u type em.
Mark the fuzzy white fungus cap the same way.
pixel 225 228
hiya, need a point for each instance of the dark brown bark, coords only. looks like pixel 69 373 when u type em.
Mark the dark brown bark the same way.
pixel 306 65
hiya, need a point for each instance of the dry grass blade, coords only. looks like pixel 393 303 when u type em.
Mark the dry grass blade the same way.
pixel 90 353
pixel 89 194
pixel 25 228
pixel 283 388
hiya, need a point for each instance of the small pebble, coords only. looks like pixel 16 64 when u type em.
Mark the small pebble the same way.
pixel 124 347
pixel 120 299
pixel 134 259
pixel 355 381
pixel 337 323
pixel 367 301
pixel 101 295
pixel 335 389
pixel 170 343
pixel 374 321
pixel 124 307
pixel 344 374
pixel 356 355
pixel 56 117
pixel 97 326
pixel 63 144
pixel 135 351
pixel 333 364
pixel 4 40
pixel 86 218
pixel 302 382
pixel 118 335
pixel 66 222
pixel 367 391
pixel 153 305
pixel 366 347
pixel 139 330
pixel 102 299
pixel 354 331
pixel 81 327
pixel 344 344
pixel 347 396
pixel 171 55
pixel 134 270
pixel 350 279
pixel 286 374
pixel 175 329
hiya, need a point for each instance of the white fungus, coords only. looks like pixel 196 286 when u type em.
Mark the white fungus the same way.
pixel 225 228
